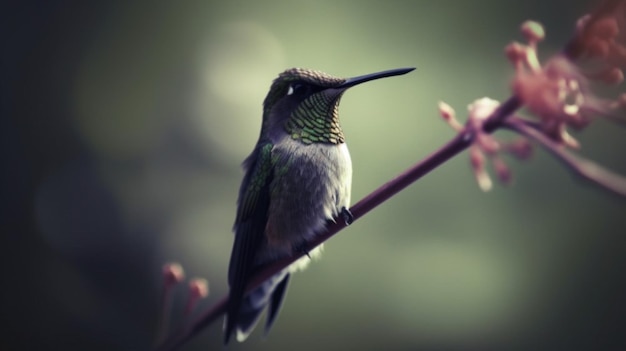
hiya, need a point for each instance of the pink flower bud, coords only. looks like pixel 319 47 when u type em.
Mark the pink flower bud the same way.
pixel 533 32
pixel 581 23
pixel 483 180
pixel 477 159
pixel 605 28
pixel 488 144
pixel 502 170
pixel 520 148
pixel 447 113
pixel 173 273
pixel 598 48
pixel 516 53
pixel 198 288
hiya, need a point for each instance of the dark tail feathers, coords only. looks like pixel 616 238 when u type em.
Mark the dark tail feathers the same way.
pixel 272 293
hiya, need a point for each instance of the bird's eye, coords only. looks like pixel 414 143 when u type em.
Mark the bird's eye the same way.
pixel 295 88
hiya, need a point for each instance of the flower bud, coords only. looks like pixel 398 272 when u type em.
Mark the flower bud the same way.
pixel 173 273
pixel 533 32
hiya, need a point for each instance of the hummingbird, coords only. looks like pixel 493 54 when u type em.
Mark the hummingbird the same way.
pixel 297 178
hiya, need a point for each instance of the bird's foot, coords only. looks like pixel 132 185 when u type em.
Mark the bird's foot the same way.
pixel 347 216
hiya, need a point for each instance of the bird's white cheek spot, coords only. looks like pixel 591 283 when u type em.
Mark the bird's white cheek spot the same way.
pixel 290 91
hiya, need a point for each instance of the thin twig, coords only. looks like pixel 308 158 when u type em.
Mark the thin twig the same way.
pixel 588 170
pixel 164 314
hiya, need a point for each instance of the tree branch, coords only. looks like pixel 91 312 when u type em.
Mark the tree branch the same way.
pixel 588 170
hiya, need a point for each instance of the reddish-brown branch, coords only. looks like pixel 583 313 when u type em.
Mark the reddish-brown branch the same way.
pixel 586 169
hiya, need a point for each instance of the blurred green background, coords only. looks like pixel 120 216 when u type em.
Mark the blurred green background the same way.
pixel 127 125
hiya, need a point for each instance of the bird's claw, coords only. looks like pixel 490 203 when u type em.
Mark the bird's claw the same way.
pixel 302 249
pixel 347 216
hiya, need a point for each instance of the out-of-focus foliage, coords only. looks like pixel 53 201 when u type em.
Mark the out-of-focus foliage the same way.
pixel 127 122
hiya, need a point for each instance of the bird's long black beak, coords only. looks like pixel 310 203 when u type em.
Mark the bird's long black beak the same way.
pixel 350 82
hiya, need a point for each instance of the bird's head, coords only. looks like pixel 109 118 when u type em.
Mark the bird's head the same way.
pixel 304 103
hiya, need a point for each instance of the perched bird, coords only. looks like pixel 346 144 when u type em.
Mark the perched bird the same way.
pixel 297 178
